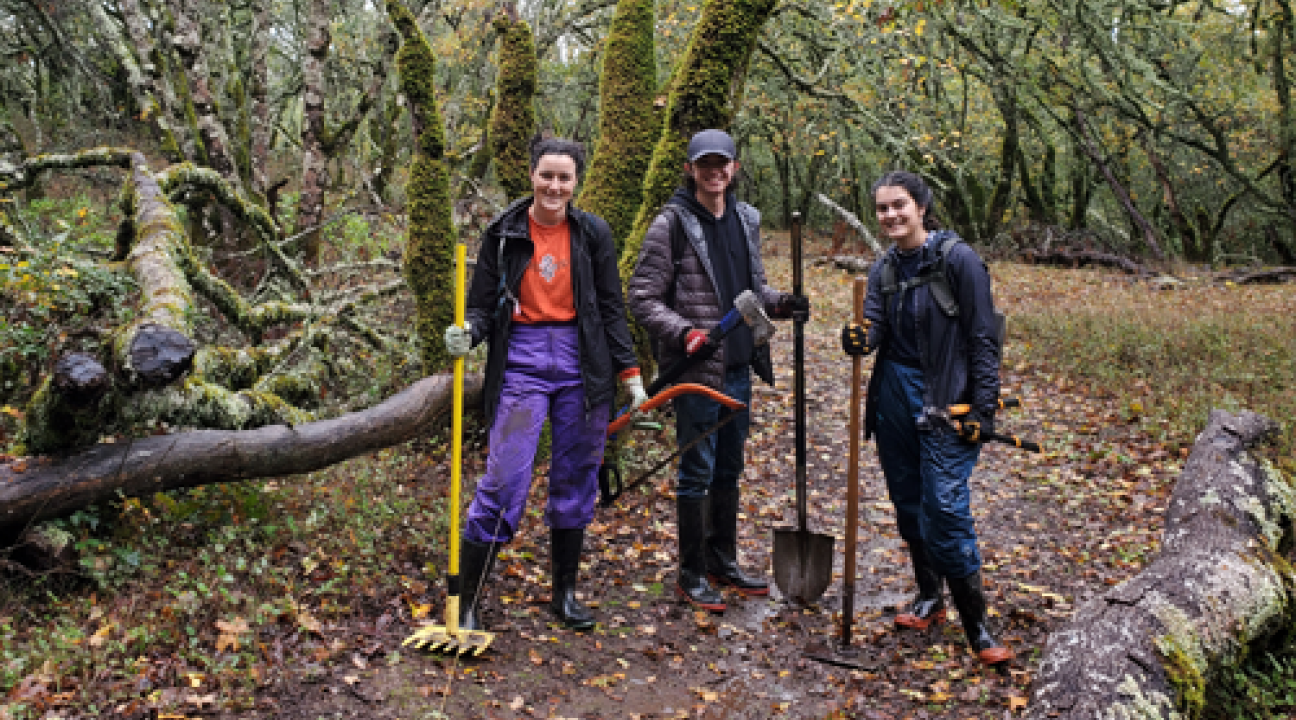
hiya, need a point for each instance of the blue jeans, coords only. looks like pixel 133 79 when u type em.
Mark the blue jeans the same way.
pixel 926 474
pixel 717 461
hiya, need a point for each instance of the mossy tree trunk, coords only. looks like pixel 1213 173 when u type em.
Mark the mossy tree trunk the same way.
pixel 1221 586
pixel 706 90
pixel 513 119
pixel 429 258
pixel 628 123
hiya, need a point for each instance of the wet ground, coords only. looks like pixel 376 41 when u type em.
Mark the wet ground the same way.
pixel 1051 532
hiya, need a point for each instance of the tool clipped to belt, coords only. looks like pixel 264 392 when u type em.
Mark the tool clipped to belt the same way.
pixel 611 485
pixel 968 428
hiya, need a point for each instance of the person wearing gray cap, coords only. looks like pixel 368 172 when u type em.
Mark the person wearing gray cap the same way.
pixel 700 252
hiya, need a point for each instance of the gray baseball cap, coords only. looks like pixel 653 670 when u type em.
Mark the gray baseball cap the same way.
pixel 711 142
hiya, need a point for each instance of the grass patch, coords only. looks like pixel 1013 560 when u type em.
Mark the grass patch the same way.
pixel 1168 356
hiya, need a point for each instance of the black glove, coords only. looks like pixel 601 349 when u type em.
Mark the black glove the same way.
pixel 977 426
pixel 854 339
pixel 789 304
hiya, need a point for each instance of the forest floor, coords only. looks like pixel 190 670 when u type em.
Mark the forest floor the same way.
pixel 1055 529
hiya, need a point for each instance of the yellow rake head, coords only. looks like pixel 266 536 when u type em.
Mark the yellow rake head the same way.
pixel 457 641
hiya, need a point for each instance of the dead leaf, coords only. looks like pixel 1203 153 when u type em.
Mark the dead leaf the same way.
pixel 230 633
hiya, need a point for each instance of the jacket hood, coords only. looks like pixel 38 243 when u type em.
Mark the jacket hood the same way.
pixel 683 197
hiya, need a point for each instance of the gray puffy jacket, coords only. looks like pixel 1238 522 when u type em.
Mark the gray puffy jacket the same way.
pixel 696 303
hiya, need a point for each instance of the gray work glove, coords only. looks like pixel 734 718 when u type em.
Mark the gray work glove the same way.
pixel 458 340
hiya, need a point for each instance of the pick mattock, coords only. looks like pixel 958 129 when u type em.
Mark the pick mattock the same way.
pixel 450 638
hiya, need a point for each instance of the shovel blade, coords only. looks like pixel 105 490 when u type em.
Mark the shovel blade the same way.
pixel 803 563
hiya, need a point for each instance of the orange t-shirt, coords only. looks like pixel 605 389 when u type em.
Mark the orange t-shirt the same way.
pixel 546 291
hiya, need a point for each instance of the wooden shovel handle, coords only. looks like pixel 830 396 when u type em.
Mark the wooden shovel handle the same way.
pixel 852 476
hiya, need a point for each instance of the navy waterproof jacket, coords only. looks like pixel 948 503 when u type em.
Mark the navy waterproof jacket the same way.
pixel 506 248
pixel 960 355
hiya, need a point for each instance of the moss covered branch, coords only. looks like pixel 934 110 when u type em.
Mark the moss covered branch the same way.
pixel 26 174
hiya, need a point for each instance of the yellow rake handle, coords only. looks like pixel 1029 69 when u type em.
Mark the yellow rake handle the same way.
pixel 456 438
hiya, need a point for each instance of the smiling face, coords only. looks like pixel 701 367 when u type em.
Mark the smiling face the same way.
pixel 900 218
pixel 552 182
pixel 712 173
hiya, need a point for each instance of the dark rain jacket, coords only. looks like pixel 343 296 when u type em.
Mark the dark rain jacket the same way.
pixel 667 301
pixel 959 355
pixel 506 249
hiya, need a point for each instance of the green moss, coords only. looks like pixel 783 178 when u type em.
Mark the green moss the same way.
pixel 51 426
pixel 513 120
pixel 1185 676
pixel 628 123
pixel 429 249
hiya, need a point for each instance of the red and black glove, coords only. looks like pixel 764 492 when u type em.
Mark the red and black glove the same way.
pixel 693 340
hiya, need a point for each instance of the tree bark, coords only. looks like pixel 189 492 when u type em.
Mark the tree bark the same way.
pixel 1149 647
pixel 32 490
pixel 851 220
pixel 1090 149
pixel 310 205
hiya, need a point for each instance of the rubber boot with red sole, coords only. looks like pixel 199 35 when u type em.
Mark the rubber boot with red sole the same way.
pixel 928 608
pixel 690 517
pixel 969 599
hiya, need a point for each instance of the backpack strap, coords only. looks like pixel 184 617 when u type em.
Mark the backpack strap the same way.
pixel 935 276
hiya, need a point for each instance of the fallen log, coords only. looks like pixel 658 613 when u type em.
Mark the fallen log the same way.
pixel 1066 257
pixel 1149 647
pixel 35 489
pixel 1267 276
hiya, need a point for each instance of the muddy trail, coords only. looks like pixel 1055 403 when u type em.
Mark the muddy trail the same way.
pixel 1056 529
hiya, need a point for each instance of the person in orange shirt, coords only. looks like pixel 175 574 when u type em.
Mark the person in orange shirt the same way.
pixel 546 297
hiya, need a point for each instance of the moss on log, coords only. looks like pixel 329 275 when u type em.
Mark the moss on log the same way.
pixel 154 260
pixel 69 407
pixel 26 174
pixel 628 122
pixel 31 491
pixel 429 257
pixel 513 118
pixel 1150 647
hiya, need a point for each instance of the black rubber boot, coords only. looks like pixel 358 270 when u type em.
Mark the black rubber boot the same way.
pixel 929 607
pixel 690 516
pixel 722 545
pixel 969 599
pixel 475 561
pixel 565 552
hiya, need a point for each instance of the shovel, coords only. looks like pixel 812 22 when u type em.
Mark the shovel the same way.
pixel 802 559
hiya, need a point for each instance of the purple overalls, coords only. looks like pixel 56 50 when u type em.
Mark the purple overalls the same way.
pixel 541 381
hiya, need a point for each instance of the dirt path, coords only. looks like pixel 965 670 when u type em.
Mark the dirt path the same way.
pixel 1056 529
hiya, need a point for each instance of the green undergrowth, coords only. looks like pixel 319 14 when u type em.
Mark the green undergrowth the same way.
pixel 1262 689
pixel 55 291
pixel 213 590
pixel 1169 356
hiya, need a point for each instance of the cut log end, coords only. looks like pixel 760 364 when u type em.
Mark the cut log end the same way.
pixel 80 379
pixel 160 355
